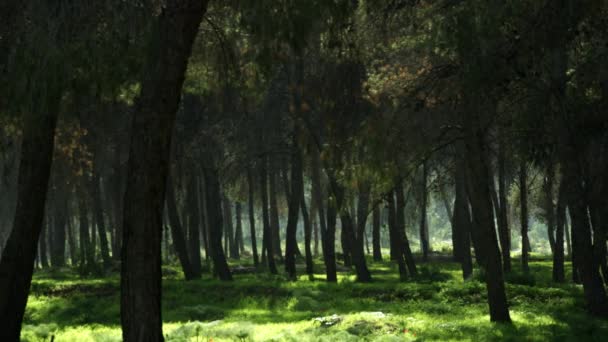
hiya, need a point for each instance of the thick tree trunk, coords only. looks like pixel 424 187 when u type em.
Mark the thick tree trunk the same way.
pixel 523 200
pixel 483 216
pixel 101 226
pixel 19 254
pixel 254 246
pixel 376 246
pixel 177 233
pixel 214 214
pixel 424 228
pixel 504 232
pixel 194 239
pixel 267 231
pixel 148 167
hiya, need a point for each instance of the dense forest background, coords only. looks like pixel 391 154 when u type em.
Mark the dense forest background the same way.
pixel 389 143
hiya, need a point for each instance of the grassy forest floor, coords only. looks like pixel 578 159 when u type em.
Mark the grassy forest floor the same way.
pixel 437 306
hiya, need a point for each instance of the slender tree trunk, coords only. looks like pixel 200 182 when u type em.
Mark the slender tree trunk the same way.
pixel 148 167
pixel 254 247
pixel 275 223
pixel 214 215
pixel 177 233
pixel 72 241
pixel 523 199
pixel 43 242
pixel 296 194
pixel 395 242
pixel 229 229
pixel 101 227
pixel 424 228
pixel 504 232
pixel 194 239
pixel 87 254
pixel 560 222
pixel 376 246
pixel 267 233
pixel 483 215
pixel 19 254
pixel 403 241
pixel 462 222
pixel 307 236
pixel 59 228
pixel 329 241
pixel 549 207
pixel 238 235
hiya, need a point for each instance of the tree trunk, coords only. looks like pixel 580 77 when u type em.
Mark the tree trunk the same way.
pixel 560 222
pixel 267 234
pixel 177 233
pixel 194 239
pixel 328 239
pixel 296 194
pixel 275 223
pixel 462 222
pixel 254 247
pixel 101 227
pixel 238 235
pixel 504 232
pixel 43 242
pixel 402 235
pixel 19 254
pixel 395 242
pixel 229 229
pixel 376 246
pixel 87 253
pixel 214 215
pixel 483 215
pixel 424 228
pixel 148 167
pixel 59 228
pixel 523 199
pixel 307 236
pixel 72 241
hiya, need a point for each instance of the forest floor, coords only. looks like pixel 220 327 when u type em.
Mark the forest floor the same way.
pixel 436 306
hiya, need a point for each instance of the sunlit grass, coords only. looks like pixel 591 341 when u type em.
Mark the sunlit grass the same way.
pixel 437 306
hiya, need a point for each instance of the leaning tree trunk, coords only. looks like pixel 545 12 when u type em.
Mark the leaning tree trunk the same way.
pixel 479 178
pixel 19 254
pixel 403 241
pixel 148 167
pixel 504 232
pixel 254 247
pixel 177 234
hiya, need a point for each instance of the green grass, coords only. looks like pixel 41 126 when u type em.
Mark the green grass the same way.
pixel 437 306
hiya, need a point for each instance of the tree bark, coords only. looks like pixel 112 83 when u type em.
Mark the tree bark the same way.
pixel 101 226
pixel 462 222
pixel 404 243
pixel 504 232
pixel 59 228
pixel 275 223
pixel 395 242
pixel 238 235
pixel 560 222
pixel 148 167
pixel 296 194
pixel 43 241
pixel 229 229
